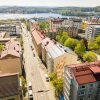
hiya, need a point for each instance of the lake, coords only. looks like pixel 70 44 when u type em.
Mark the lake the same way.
pixel 28 16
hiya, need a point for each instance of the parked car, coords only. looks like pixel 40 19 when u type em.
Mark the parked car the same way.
pixel 47 78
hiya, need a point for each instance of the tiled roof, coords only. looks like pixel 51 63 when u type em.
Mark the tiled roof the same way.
pixel 38 36
pixel 86 72
pixel 9 85
pixel 47 43
pixel 11 48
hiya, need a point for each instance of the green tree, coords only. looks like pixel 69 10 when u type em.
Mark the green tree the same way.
pixel 98 40
pixel 80 48
pixel 53 76
pixel 89 56
pixel 1 48
pixel 92 45
pixel 58 84
pixel 71 43
pixel 58 38
pixel 63 39
pixel 44 25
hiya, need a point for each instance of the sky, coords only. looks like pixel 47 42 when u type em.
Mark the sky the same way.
pixel 54 3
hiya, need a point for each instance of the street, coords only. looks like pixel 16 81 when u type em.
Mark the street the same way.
pixel 42 90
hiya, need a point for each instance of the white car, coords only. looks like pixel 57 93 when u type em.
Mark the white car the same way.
pixel 47 78
pixel 30 92
pixel 30 86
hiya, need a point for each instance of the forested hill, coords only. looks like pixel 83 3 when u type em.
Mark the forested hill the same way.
pixel 71 11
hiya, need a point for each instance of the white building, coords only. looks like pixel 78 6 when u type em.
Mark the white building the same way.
pixel 92 31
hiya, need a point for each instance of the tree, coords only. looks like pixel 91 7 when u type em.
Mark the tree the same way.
pixel 80 48
pixel 63 39
pixel 92 45
pixel 71 43
pixel 89 56
pixel 58 38
pixel 53 76
pixel 58 84
pixel 98 40
pixel 44 25
pixel 1 48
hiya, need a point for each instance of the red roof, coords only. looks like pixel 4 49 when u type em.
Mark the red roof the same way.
pixel 13 48
pixel 47 43
pixel 38 36
pixel 86 72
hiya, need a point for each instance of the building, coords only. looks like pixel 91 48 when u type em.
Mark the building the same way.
pixel 2 35
pixel 10 59
pixel 72 31
pixel 34 25
pixel 46 44
pixel 11 29
pixel 57 56
pixel 58 23
pixel 9 87
pixel 92 31
pixel 82 81
pixel 75 22
pixel 37 38
pixel 5 40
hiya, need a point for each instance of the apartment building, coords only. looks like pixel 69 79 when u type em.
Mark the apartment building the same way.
pixel 92 31
pixel 58 23
pixel 57 57
pixel 72 31
pixel 82 81
pixel 9 87
pixel 46 44
pixel 10 59
pixel 37 38
pixel 75 22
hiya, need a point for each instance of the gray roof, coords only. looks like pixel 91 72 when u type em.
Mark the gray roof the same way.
pixel 55 51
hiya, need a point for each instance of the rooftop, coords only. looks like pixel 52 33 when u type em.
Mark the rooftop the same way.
pixel 11 48
pixel 38 36
pixel 55 51
pixel 9 85
pixel 47 43
pixel 86 72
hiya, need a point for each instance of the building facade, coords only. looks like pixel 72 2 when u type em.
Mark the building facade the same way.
pixel 92 31
pixel 9 87
pixel 82 81
pixel 10 60
pixel 37 38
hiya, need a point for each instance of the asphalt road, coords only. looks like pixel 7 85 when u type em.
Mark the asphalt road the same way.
pixel 32 66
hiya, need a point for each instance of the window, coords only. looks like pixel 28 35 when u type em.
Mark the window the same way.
pixel 91 85
pixel 81 98
pixel 81 93
pixel 89 97
pixel 82 87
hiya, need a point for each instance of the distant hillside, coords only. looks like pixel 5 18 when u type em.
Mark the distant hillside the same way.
pixel 70 11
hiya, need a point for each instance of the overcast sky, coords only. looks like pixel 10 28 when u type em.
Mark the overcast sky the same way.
pixel 83 3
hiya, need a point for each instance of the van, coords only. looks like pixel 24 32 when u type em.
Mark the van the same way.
pixel 47 78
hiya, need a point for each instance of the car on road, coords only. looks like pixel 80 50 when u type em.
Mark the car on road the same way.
pixel 30 94
pixel 30 86
pixel 33 54
pixel 47 78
